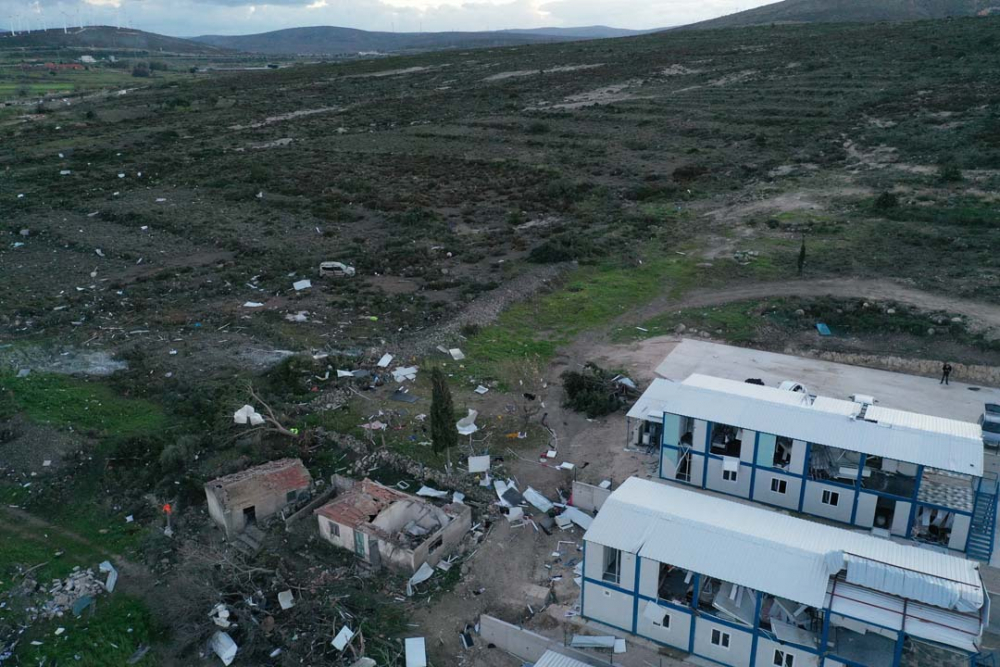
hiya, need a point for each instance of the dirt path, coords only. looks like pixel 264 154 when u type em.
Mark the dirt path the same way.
pixel 985 314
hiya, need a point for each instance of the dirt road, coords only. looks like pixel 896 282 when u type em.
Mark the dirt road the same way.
pixel 984 314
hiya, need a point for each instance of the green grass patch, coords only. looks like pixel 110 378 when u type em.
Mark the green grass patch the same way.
pixel 106 635
pixel 30 548
pixel 62 401
pixel 737 322
pixel 590 297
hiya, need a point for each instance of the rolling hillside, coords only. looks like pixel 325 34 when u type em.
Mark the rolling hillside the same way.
pixel 104 38
pixel 328 40
pixel 849 11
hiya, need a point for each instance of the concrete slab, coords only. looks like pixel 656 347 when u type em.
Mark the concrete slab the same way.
pixel 825 378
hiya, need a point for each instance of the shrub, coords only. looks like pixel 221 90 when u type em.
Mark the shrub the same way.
pixel 592 391
pixel 949 172
pixel 566 247
pixel 140 70
pixel 886 201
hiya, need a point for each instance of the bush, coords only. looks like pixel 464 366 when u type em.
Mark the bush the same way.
pixel 141 70
pixel 592 391
pixel 566 247
pixel 949 172
pixel 538 127
pixel 886 201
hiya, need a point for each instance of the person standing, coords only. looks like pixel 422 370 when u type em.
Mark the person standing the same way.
pixel 945 373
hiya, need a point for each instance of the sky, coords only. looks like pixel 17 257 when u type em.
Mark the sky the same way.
pixel 187 18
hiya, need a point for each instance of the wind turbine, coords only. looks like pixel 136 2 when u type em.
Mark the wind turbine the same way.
pixel 11 19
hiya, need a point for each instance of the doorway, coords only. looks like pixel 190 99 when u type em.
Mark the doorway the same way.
pixel 249 515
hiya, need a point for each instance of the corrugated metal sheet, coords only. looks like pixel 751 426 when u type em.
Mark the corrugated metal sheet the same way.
pixel 747 545
pixel 553 659
pixel 923 440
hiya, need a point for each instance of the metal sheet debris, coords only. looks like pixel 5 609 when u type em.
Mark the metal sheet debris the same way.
pixel 405 373
pixel 515 514
pixel 481 390
pixel 343 638
pixel 416 652
pixel 428 492
pixel 456 354
pixel 253 304
pixel 566 465
pixel 403 396
pixel 421 575
pixel 479 464
pixel 224 647
pixel 540 502
pixel 385 361
pixel 345 374
pixel 587 641
pixel 301 285
pixel 576 516
pixel 109 583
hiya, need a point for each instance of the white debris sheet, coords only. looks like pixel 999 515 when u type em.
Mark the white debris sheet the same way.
pixel 385 361
pixel 479 464
pixel 224 647
pixel 456 354
pixel 467 426
pixel 429 492
pixel 540 502
pixel 343 638
pixel 109 583
pixel 416 652
pixel 587 641
pixel 247 415
pixel 301 285
pixel 420 576
pixel 286 600
pixel 576 516
pixel 405 373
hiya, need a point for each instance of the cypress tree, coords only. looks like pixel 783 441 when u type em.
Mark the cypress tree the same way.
pixel 443 432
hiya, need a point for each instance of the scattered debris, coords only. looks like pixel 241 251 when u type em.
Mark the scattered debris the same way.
pixel 428 492
pixel 224 647
pixel 424 573
pixel 301 285
pixel 385 361
pixel 343 638
pixel 481 390
pixel 301 316
pixel 478 464
pixel 109 583
pixel 253 304
pixel 405 373
pixel 220 616
pixel 248 415
pixel 416 652
pixel 539 501
pixel 576 516
pixel 286 600
pixel 467 425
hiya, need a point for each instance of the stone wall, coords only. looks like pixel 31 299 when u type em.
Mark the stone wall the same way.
pixel 967 373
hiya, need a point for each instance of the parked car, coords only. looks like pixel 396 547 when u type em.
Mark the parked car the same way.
pixel 990 421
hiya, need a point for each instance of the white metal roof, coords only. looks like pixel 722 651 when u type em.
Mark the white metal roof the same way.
pixel 553 659
pixel 946 444
pixel 769 551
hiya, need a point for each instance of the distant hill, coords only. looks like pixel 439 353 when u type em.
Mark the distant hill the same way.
pixel 848 11
pixel 328 40
pixel 587 32
pixel 104 38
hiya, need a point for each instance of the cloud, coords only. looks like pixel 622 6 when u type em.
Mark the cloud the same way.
pixel 194 17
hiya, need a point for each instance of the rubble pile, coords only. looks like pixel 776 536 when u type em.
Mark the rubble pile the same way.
pixel 74 593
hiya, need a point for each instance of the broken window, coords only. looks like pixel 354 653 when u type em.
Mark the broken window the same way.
pixel 663 622
pixel 675 584
pixel 612 572
pixel 436 544
pixel 779 486
pixel 837 465
pixel 720 638
pixel 334 529
pixel 726 440
pixel 783 659
pixel 889 476
pixel 683 473
pixel 291 496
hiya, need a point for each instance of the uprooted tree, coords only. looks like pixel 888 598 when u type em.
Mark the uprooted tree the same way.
pixel 443 432
pixel 593 391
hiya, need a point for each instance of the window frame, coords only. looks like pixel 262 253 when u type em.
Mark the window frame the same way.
pixel 735 476
pixel 609 574
pixel 779 486
pixel 725 638
pixel 830 498
pixel 783 658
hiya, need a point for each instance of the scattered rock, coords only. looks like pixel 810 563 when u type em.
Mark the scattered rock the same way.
pixel 680 328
